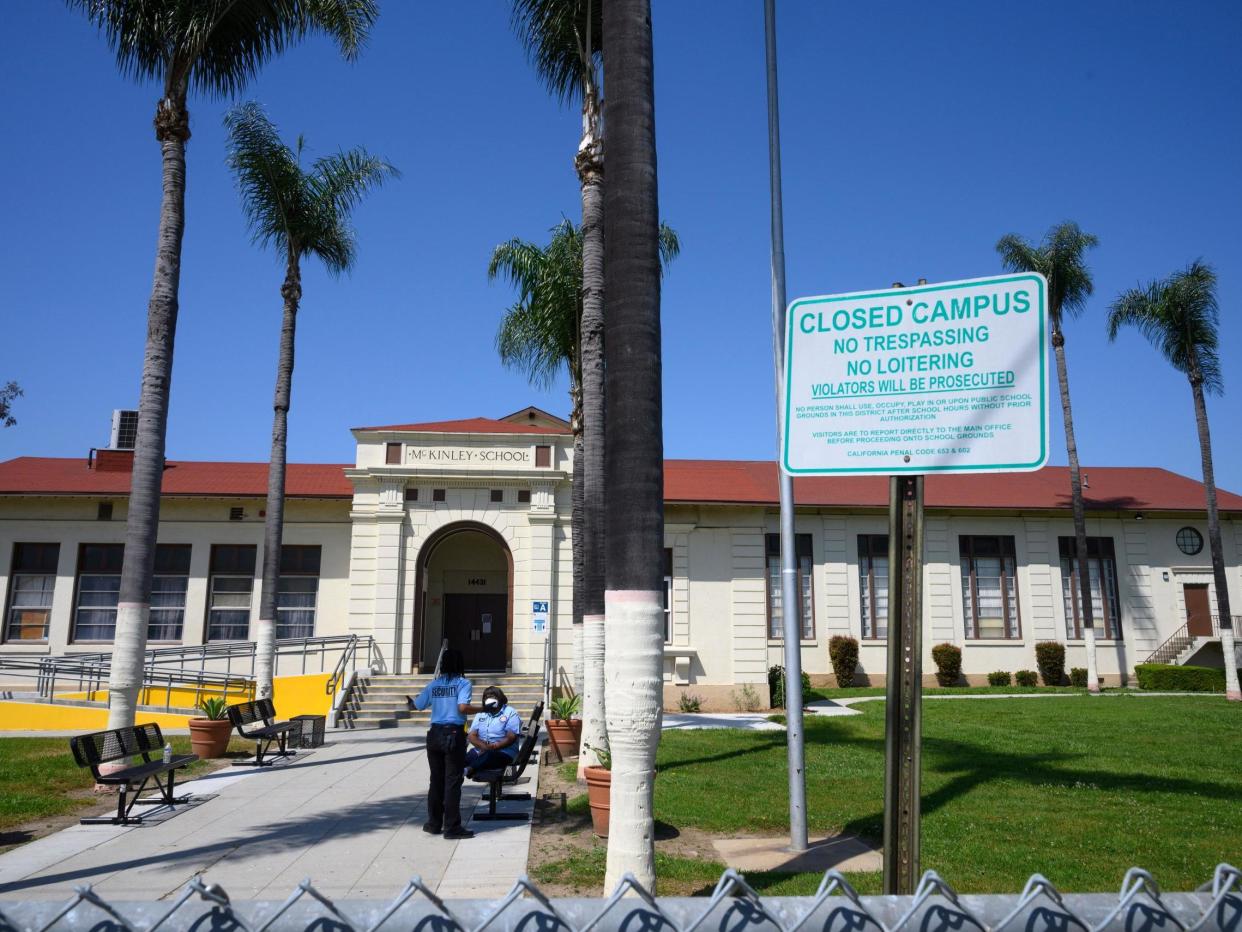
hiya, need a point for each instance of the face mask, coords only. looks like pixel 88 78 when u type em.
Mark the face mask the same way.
pixel 492 706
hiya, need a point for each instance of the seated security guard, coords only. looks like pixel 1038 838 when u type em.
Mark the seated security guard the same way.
pixel 494 735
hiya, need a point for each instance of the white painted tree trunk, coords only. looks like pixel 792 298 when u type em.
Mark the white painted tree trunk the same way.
pixel 633 673
pixel 1093 676
pixel 594 727
pixel 579 684
pixel 264 658
pixel 128 657
pixel 1231 665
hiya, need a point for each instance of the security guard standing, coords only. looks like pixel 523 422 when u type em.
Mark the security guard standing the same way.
pixel 449 697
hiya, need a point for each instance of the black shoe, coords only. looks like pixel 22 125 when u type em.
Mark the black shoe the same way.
pixel 459 833
pixel 431 829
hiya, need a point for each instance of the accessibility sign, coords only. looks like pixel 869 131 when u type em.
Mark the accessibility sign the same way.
pixel 944 378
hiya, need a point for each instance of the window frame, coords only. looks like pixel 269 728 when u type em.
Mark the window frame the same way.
pixel 392 454
pixel 1100 549
pixel 1006 549
pixel 867 554
pixel 229 572
pixel 167 551
pixel 804 549
pixel 668 595
pixel 105 571
pixel 299 569
pixel 45 549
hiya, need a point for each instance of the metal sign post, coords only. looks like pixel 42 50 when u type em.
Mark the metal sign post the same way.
pixel 904 690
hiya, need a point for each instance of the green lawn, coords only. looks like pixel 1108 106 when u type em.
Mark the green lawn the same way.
pixel 39 779
pixel 851 692
pixel 1078 789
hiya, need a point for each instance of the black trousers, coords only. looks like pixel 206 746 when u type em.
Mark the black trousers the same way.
pixel 446 757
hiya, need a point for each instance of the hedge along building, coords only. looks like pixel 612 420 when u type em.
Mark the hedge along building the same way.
pixel 460 530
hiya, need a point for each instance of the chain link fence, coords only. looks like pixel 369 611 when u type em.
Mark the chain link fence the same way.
pixel 734 906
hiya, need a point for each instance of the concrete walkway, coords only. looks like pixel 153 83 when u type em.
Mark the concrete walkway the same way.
pixel 348 815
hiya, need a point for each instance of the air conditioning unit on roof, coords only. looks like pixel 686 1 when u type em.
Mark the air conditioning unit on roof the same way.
pixel 124 430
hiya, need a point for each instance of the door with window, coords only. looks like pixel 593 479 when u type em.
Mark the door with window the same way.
pixel 477 624
pixel 1198 610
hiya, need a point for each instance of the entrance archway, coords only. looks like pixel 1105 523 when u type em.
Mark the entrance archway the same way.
pixel 464 592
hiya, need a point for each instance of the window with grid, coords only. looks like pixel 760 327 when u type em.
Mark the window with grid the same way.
pixel 298 592
pixel 989 587
pixel 1102 576
pixel 873 584
pixel 806 606
pixel 668 595
pixel 98 589
pixel 32 582
pixel 230 588
pixel 168 588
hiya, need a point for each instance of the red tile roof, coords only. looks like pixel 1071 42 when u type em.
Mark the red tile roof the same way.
pixel 1110 488
pixel 34 475
pixel 474 425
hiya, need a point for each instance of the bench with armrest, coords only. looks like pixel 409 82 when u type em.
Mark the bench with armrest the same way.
pixel 261 713
pixel 507 776
pixel 123 744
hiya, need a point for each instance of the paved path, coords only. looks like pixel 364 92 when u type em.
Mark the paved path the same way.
pixel 349 815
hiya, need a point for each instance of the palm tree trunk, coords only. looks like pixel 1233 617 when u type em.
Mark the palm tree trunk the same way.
pixel 1218 554
pixel 577 545
pixel 274 527
pixel 589 163
pixel 1080 513
pixel 634 467
pixel 172 129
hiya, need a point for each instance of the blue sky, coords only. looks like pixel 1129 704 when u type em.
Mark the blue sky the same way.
pixel 915 135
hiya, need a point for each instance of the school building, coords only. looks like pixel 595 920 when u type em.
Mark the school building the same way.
pixel 461 530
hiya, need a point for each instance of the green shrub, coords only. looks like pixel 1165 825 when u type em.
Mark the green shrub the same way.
pixel 1078 676
pixel 565 707
pixel 948 659
pixel 745 699
pixel 1050 658
pixel 689 702
pixel 1026 678
pixel 1172 678
pixel 776 686
pixel 843 652
pixel 1000 678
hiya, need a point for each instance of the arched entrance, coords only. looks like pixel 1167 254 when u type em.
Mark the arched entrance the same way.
pixel 464 592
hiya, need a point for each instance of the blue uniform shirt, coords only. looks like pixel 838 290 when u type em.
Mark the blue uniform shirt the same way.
pixel 444 694
pixel 494 727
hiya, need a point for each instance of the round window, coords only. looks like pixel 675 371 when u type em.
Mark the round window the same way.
pixel 1189 541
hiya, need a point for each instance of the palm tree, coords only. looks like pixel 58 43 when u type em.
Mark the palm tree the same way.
pixel 300 213
pixel 215 47
pixel 1060 258
pixel 563 39
pixel 634 468
pixel 1179 316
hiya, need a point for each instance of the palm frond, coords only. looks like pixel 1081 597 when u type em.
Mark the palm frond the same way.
pixel 301 212
pixel 555 34
pixel 219 45
pixel 670 246
pixel 1180 317
pixel 1061 259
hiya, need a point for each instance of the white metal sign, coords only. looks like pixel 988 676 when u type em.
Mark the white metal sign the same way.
pixel 539 616
pixel 945 378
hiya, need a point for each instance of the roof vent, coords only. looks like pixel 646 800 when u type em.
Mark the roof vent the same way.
pixel 237 514
pixel 124 430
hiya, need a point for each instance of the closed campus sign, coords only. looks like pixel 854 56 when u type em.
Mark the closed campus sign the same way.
pixel 929 379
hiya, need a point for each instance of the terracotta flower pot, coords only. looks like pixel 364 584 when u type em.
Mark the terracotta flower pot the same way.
pixel 210 737
pixel 599 793
pixel 565 735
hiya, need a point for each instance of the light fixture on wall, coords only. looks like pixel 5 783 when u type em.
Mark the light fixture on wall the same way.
pixel 1165 575
pixel 1138 516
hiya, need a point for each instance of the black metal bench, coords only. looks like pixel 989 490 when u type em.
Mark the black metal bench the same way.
pixel 122 744
pixel 507 776
pixel 263 713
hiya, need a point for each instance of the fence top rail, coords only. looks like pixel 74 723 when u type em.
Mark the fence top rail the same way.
pixel 733 904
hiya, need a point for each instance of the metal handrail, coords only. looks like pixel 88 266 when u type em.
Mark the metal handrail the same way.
pixel 1180 639
pixel 440 658
pixel 348 660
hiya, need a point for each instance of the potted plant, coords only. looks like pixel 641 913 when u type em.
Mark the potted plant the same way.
pixel 599 790
pixel 209 736
pixel 564 730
